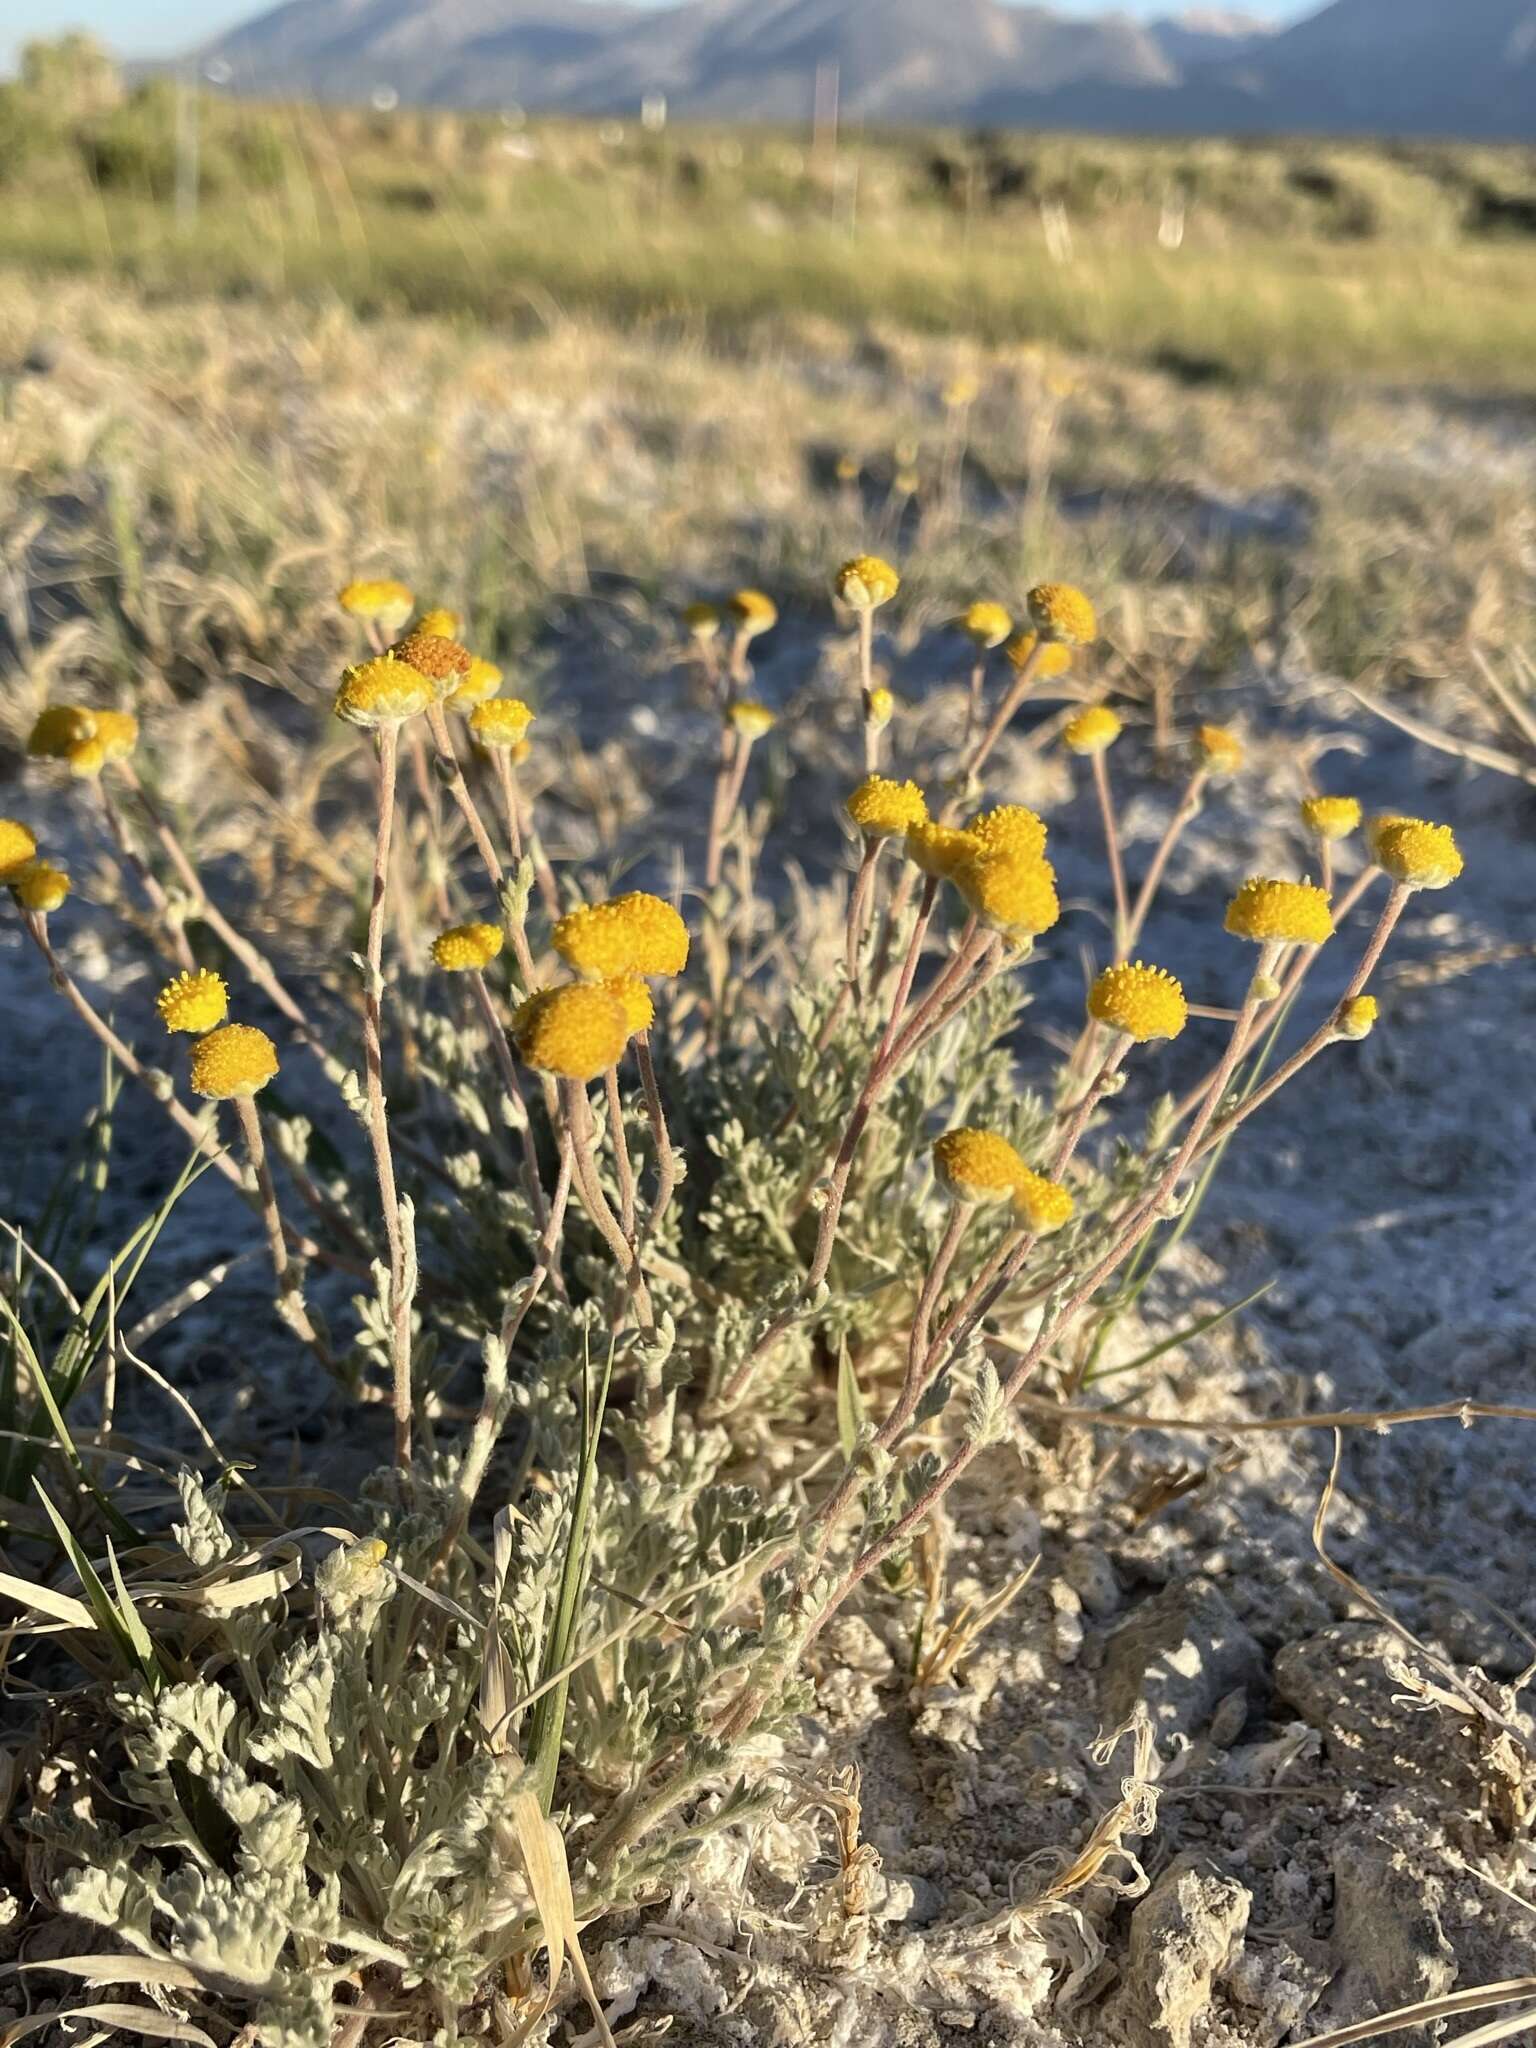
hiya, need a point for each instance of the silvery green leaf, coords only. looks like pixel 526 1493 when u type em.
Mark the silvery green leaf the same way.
pixel 986 1418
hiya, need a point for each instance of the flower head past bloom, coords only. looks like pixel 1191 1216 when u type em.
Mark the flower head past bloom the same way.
pixel 751 718
pixel 481 680
pixel 1010 828
pixel 1287 913
pixel 441 623
pixel 499 722
pixel 377 597
pixel 938 850
pixel 884 809
pixel 384 691
pixel 987 624
pixel 633 934
pixel 1357 1019
pixel 1044 1205
pixel 1415 854
pixel 1330 817
pixel 443 662
pixel 1093 731
pixel 1060 611
pixel 17 846
pixel 39 886
pixel 577 1031
pixel 1050 658
pixel 193 1002
pixel 466 948
pixel 977 1166
pixel 702 620
pixel 752 612
pixel 1011 894
pixel 1219 749
pixel 1143 1002
pixel 866 583
pixel 237 1060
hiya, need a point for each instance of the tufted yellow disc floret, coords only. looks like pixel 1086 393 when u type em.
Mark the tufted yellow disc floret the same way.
pixel 377 597
pixel 577 1031
pixel 702 620
pixel 235 1060
pixel 40 887
pixel 634 934
pixel 499 722
pixel 467 948
pixel 1144 1002
pixel 1010 828
pixel 752 612
pixel 1330 817
pixel 1415 854
pixel 987 624
pixel 1093 731
pixel 977 1166
pixel 1357 1019
pixel 751 718
pixel 866 583
pixel 440 622
pixel 17 846
pixel 194 1002
pixel 482 680
pixel 1060 611
pixel 1010 893
pixel 384 691
pixel 884 809
pixel 1044 1205
pixel 636 1001
pixel 1052 658
pixel 1219 749
pixel 938 850
pixel 57 729
pixel 443 662
pixel 1292 913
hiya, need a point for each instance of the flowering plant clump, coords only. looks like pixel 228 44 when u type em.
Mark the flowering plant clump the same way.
pixel 194 1002
pixel 466 948
pixel 883 809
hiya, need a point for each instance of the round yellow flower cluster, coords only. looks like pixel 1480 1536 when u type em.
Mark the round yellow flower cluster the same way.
pixel 39 886
pixel 751 718
pixel 1093 731
pixel 383 691
pixel 194 1002
pixel 884 809
pixel 1012 894
pixel 1009 828
pixel 237 1060
pixel 633 934
pixel 443 662
pixel 867 582
pixel 1219 749
pixel 378 598
pixel 977 1166
pixel 468 948
pixel 1060 611
pixel 1330 817
pixel 1052 658
pixel 441 623
pixel 1357 1019
pixel 1288 913
pixel 987 624
pixel 482 680
pixel 1416 854
pixel 499 722
pixel 1141 1001
pixel 938 850
pixel 1045 1205
pixel 634 997
pixel 85 740
pixel 577 1031
pixel 17 846
pixel 752 612
pixel 879 708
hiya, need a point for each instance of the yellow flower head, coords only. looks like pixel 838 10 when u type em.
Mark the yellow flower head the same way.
pixel 1044 1205
pixel 881 708
pixel 962 390
pixel 17 846
pixel 849 469
pixel 1220 750
pixel 752 612
pixel 1010 893
pixel 1093 731
pixel 444 663
pixel 1374 829
pixel 1055 657
pixel 1416 854
pixel 86 760
pixel 1061 612
pixel 702 620
pixel 235 1060
pixel 40 887
pixel 883 809
pixel 499 722
pixel 464 948
pixel 751 718
pixel 1357 1019
pixel 57 729
pixel 1143 1002
pixel 866 583
pixel 977 1166
pixel 483 680
pixel 193 1002
pixel 1292 913
pixel 1010 828
pixel 634 934
pixel 938 850
pixel 1330 817
pixel 378 597
pixel 383 691
pixel 578 1031
pixel 441 623
pixel 635 1000
pixel 987 624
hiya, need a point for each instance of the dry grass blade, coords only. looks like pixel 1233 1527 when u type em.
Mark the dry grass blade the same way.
pixel 549 1879
pixel 1475 751
pixel 1481 1999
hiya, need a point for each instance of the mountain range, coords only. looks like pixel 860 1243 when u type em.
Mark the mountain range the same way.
pixel 1393 67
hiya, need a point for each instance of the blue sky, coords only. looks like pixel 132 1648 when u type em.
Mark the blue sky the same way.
pixel 153 27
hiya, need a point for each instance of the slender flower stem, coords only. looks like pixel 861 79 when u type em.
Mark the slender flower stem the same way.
pixel 622 1161
pixel 661 1137
pixel 860 897
pixel 720 804
pixel 1013 697
pixel 148 881
pixel 922 1321
pixel 432 813
pixel 453 773
pixel 378 1119
pixel 1112 850
pixel 520 832
pixel 909 965
pixel 506 1066
pixel 867 688
pixel 289 1285
pixel 1188 808
pixel 973 701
